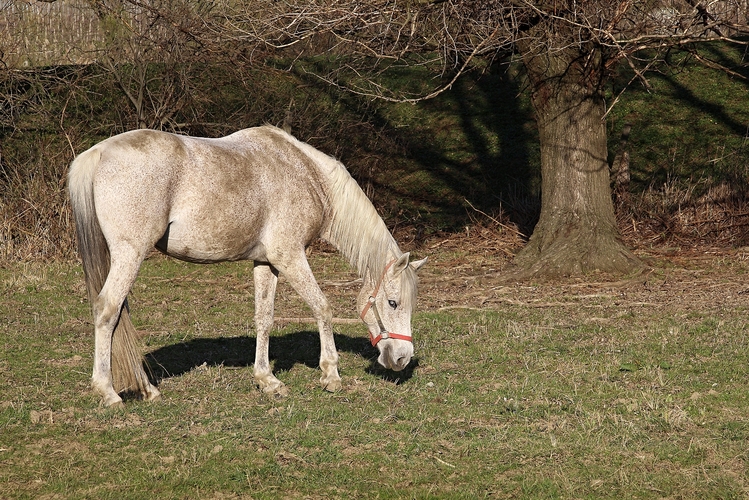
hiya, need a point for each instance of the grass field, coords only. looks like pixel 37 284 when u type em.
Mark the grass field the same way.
pixel 634 388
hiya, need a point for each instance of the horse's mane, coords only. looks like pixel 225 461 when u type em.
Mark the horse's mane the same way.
pixel 356 228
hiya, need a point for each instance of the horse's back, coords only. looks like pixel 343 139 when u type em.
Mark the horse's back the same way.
pixel 210 199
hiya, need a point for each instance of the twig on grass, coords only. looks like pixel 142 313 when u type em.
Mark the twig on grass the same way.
pixel 335 321
pixel 443 462
pixel 509 228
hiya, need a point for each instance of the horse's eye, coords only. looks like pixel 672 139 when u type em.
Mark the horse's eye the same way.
pixel 393 304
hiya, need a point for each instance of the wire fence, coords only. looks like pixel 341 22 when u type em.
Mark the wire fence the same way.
pixel 55 32
pixel 34 33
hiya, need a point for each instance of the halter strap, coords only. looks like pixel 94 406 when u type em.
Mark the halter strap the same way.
pixel 371 301
pixel 384 334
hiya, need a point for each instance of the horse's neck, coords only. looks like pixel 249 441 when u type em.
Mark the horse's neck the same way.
pixel 356 229
pixel 353 225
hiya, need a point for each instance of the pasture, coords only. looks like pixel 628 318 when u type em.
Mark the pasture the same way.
pixel 595 388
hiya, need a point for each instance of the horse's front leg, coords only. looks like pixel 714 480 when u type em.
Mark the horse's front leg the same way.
pixel 302 280
pixel 266 279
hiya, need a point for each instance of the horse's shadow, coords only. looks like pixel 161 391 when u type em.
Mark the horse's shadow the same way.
pixel 286 351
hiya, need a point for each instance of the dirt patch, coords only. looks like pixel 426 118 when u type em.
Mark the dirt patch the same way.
pixel 470 270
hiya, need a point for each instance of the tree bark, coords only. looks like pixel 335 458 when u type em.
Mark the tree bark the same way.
pixel 576 232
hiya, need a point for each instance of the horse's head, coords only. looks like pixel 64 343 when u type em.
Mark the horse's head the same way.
pixel 385 304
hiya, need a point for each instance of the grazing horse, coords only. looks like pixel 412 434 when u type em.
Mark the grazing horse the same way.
pixel 257 194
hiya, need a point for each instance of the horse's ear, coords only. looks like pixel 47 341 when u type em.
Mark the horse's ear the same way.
pixel 416 265
pixel 401 263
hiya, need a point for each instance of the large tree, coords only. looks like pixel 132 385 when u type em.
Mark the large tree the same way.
pixel 569 49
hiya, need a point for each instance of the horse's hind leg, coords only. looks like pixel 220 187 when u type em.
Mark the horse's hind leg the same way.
pixel 106 315
pixel 266 279
pixel 107 306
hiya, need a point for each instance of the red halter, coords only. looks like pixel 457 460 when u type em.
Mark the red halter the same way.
pixel 384 334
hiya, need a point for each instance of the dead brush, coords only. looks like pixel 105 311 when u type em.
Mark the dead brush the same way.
pixel 35 221
pixel 689 214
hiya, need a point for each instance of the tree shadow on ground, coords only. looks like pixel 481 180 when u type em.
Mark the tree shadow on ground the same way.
pixel 499 169
pixel 688 126
pixel 486 158
pixel 437 164
pixel 286 351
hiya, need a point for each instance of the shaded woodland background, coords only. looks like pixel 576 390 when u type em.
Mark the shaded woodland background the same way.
pixel 465 160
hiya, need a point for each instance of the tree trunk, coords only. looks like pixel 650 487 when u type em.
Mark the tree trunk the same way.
pixel 576 232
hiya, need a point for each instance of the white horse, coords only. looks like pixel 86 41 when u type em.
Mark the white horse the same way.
pixel 257 194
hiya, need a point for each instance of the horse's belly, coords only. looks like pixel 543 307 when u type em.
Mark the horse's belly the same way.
pixel 208 245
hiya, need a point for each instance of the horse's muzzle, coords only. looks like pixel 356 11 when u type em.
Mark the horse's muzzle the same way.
pixel 395 354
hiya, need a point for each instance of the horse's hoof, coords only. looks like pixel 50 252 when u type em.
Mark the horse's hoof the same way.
pixel 114 405
pixel 152 394
pixel 332 386
pixel 111 400
pixel 153 398
pixel 279 390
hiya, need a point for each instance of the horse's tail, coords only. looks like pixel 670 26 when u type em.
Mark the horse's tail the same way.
pixel 127 361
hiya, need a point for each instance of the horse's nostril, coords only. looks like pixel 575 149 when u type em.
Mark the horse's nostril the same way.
pixel 401 363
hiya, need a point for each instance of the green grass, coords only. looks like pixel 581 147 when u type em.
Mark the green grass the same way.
pixel 584 398
pixel 691 126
